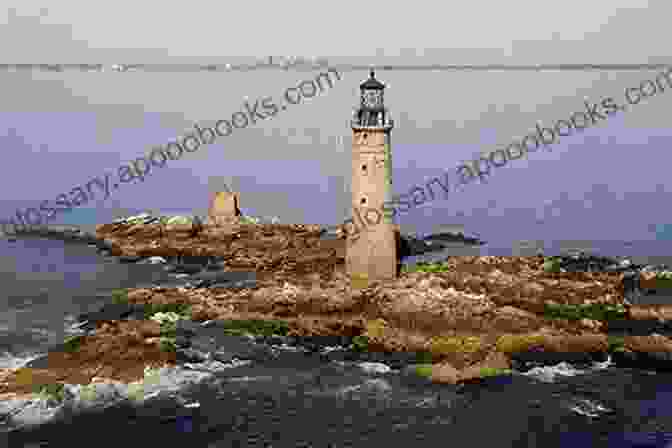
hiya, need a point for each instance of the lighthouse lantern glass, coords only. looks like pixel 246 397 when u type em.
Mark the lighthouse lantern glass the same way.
pixel 372 99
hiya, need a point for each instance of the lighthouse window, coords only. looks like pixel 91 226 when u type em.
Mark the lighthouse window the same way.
pixel 363 201
pixel 364 169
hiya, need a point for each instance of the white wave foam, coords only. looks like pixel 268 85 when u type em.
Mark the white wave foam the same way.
pixel 548 374
pixel 36 409
pixel 588 408
pixel 14 361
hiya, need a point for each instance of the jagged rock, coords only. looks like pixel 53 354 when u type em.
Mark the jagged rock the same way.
pixel 239 284
pixel 286 249
pixel 225 279
pixel 185 268
pixel 203 261
pixel 584 262
pixel 216 266
pixel 187 327
pixel 408 246
pixel 448 237
pixel 274 340
pixel 509 318
pixel 111 312
pixel 149 328
pixel 66 233
pixel 191 355
pixel 248 352
pixel 88 237
pixel 105 245
pixel 182 341
pixel 630 285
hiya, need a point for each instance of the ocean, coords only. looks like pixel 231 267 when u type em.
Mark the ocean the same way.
pixel 46 284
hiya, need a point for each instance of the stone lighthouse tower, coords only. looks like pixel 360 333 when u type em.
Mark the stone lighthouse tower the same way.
pixel 371 253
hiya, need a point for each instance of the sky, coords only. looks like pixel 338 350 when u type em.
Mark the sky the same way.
pixel 609 181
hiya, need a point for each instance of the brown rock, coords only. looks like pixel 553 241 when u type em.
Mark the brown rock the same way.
pixel 149 328
pixel 585 343
pixel 445 373
pixel 494 360
pixel 201 314
pixel 665 312
pixel 652 343
pixel 638 312
pixel 509 319
pixel 139 295
pixel 178 227
pixel 590 324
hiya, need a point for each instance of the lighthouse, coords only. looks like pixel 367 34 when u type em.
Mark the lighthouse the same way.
pixel 371 253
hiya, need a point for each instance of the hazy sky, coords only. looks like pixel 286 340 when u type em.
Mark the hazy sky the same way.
pixel 610 181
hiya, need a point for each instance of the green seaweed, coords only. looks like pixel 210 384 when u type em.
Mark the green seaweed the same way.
pixel 616 343
pixel 120 296
pixel 552 265
pixel 594 311
pixel 663 280
pixel 167 344
pixel 72 343
pixel 493 371
pixel 360 343
pixel 55 391
pixel 424 370
pixel 168 329
pixel 427 267
pixel 256 327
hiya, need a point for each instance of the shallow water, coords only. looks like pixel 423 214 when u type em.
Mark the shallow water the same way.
pixel 46 283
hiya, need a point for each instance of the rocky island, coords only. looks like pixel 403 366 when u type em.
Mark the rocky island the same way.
pixel 244 289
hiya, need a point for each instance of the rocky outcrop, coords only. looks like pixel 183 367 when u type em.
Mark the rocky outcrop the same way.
pixel 60 232
pixel 284 250
pixel 449 237
pixel 465 317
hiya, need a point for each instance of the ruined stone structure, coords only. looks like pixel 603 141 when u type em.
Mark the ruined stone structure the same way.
pixel 372 253
pixel 224 208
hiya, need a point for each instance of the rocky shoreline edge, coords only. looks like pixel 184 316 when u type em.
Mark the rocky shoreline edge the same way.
pixel 456 322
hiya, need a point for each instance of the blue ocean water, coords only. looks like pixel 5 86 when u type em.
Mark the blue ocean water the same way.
pixel 46 283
